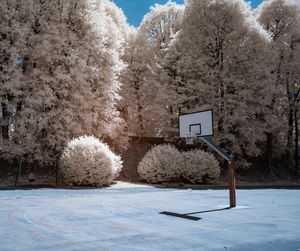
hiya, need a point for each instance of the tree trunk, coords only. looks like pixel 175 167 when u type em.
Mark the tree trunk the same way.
pixel 222 88
pixel 296 143
pixel 140 120
pixel 221 107
pixel 289 146
pixel 5 117
pixel 270 152
pixel 139 110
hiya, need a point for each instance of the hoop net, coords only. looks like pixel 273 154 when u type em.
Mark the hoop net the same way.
pixel 189 138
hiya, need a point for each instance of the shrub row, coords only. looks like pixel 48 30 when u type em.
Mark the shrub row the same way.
pixel 86 161
pixel 166 163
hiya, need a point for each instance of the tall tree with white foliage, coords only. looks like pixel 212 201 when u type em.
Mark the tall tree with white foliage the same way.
pixel 144 57
pixel 70 73
pixel 14 29
pixel 281 18
pixel 218 62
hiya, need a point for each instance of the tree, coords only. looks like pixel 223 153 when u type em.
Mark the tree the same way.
pixel 111 27
pixel 14 28
pixel 221 65
pixel 142 76
pixel 70 77
pixel 282 20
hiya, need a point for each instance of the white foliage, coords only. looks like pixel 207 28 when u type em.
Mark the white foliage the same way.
pixel 68 84
pixel 215 63
pixel 249 15
pixel 166 163
pixel 161 163
pixel 266 4
pixel 200 166
pixel 88 161
pixel 142 89
pixel 162 22
pixel 109 22
pixel 282 20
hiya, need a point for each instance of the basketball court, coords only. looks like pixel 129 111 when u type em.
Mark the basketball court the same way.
pixel 128 218
pixel 131 217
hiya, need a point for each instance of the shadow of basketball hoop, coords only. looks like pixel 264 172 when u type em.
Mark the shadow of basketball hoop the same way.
pixel 188 215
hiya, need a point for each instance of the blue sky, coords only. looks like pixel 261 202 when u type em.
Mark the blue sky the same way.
pixel 136 9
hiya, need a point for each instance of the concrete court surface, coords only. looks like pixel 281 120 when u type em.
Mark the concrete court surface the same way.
pixel 127 218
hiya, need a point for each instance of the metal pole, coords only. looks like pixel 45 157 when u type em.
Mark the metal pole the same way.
pixel 231 168
pixel 231 180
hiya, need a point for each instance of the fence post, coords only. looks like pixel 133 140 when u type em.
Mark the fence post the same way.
pixel 19 171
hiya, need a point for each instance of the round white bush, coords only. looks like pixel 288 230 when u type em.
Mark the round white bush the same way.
pixel 200 167
pixel 161 163
pixel 86 161
pixel 166 163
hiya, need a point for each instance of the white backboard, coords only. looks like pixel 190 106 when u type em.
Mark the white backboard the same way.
pixel 198 123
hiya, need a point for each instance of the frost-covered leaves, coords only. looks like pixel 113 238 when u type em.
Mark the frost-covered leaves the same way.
pixel 166 163
pixel 161 163
pixel 87 161
pixel 281 18
pixel 195 58
pixel 224 68
pixel 70 61
pixel 14 29
pixel 162 23
pixel 112 31
pixel 143 79
pixel 200 166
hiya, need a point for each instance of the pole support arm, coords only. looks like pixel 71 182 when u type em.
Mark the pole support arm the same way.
pixel 217 149
pixel 231 168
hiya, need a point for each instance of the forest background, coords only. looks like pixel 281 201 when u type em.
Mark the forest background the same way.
pixel 75 67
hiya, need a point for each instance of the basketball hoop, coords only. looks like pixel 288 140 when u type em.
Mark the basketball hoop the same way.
pixel 198 123
pixel 189 138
